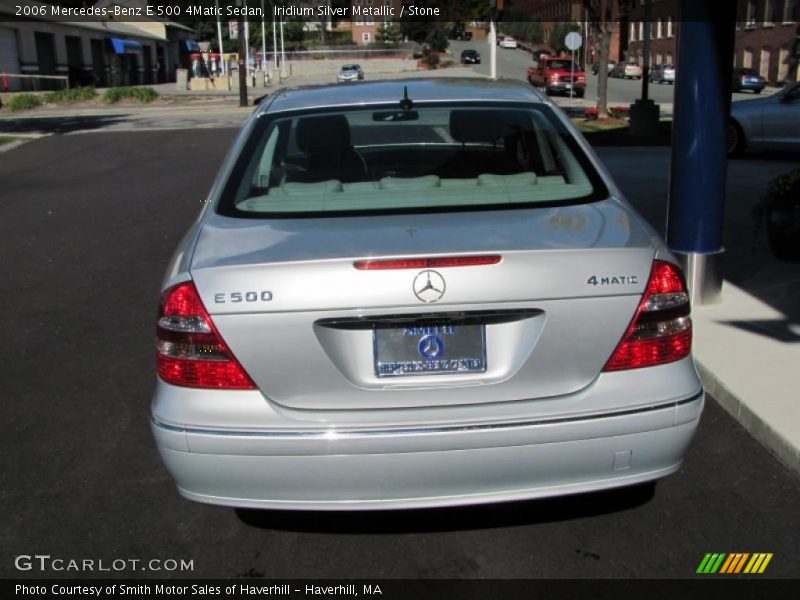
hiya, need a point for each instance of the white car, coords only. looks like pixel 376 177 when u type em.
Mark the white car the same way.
pixel 508 42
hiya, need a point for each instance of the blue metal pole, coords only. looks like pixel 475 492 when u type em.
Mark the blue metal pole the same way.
pixel 699 162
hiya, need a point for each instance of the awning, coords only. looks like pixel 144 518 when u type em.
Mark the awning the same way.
pixel 120 46
pixel 192 46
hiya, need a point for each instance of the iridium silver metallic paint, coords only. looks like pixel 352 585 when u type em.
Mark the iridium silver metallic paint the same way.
pixel 323 431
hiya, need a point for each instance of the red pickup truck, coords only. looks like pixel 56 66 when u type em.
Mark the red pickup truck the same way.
pixel 555 74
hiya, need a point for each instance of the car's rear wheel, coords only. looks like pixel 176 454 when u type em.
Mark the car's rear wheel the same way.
pixel 734 139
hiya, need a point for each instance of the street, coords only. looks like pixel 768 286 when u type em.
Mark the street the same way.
pixel 621 92
pixel 90 222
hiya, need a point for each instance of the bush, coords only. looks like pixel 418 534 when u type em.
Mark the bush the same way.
pixel 80 94
pixel 22 102
pixel 432 60
pixel 614 112
pixel 142 94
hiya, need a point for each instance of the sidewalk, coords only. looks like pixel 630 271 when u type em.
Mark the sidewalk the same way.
pixel 747 351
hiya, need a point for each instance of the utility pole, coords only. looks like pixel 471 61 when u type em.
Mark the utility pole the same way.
pixel 242 57
pixel 219 40
pixel 648 28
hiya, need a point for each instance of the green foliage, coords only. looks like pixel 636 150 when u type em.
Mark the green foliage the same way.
pixel 437 40
pixel 22 101
pixel 79 94
pixel 559 33
pixel 293 32
pixel 416 31
pixel 432 60
pixel 524 31
pixel 388 34
pixel 142 94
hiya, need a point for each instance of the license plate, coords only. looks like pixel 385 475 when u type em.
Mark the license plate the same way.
pixel 429 350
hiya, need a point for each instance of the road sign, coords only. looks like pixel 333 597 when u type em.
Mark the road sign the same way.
pixel 233 30
pixel 573 40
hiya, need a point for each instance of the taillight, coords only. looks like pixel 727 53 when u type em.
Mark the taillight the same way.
pixel 554 78
pixel 189 350
pixel 427 263
pixel 661 330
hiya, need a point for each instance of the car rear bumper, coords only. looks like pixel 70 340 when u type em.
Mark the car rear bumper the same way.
pixel 445 466
pixel 751 86
pixel 561 88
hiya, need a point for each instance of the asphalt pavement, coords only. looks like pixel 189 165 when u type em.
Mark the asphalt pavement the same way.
pixel 89 223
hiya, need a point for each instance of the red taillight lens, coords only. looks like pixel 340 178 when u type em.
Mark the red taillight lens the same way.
pixel 427 263
pixel 661 330
pixel 554 78
pixel 189 350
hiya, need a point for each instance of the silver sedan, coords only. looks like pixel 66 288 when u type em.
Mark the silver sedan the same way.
pixel 419 293
pixel 770 123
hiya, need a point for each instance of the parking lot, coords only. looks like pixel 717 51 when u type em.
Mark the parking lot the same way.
pixel 89 223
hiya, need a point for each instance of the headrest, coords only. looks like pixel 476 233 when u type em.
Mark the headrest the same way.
pixel 487 126
pixel 476 126
pixel 326 132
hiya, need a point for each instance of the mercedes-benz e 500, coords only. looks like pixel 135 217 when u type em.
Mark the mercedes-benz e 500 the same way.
pixel 419 293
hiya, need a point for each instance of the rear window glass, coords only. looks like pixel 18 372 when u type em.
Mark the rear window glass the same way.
pixel 386 159
pixel 559 64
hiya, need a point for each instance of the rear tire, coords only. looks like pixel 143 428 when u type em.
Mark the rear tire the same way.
pixel 735 140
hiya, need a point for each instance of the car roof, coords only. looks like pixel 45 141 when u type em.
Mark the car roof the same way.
pixel 454 89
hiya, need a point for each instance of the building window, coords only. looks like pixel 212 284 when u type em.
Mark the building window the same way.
pixel 633 32
pixel 752 6
pixel 659 33
pixel 641 31
pixel 769 11
pixel 366 37
pixel 670 32
pixel 789 11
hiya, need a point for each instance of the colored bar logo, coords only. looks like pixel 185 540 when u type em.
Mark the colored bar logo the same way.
pixel 734 563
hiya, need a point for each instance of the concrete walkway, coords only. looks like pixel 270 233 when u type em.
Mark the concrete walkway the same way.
pixel 747 350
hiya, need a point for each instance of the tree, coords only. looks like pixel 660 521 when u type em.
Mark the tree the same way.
pixel 437 39
pixel 416 31
pixel 388 34
pixel 601 22
pixel 558 36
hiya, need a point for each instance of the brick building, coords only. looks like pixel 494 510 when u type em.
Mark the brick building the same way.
pixel 550 12
pixel 767 36
pixel 364 28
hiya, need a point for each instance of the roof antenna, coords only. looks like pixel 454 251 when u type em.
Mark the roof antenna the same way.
pixel 406 103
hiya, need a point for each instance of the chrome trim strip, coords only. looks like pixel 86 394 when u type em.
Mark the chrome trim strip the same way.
pixel 356 433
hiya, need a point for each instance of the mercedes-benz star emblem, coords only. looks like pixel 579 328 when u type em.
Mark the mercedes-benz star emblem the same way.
pixel 429 286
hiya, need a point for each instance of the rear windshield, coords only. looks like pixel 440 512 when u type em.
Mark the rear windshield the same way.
pixel 430 158
pixel 559 64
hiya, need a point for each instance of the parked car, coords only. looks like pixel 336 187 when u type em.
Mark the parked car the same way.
pixel 557 76
pixel 363 319
pixel 662 74
pixel 748 80
pixel 770 123
pixel 350 73
pixel 507 42
pixel 626 71
pixel 596 68
pixel 470 57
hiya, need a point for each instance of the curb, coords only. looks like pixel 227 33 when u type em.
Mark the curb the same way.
pixel 754 424
pixel 28 137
